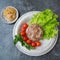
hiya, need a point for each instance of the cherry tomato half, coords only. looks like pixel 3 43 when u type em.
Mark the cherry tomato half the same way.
pixel 25 38
pixel 38 43
pixel 23 29
pixel 29 41
pixel 33 44
pixel 25 25
pixel 23 33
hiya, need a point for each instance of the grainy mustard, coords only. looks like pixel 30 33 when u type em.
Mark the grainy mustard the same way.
pixel 9 13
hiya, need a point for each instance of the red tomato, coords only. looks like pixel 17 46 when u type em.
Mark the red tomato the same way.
pixel 23 33
pixel 38 43
pixel 23 30
pixel 33 44
pixel 25 25
pixel 29 41
pixel 25 38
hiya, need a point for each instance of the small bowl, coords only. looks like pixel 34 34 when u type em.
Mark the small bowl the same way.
pixel 10 22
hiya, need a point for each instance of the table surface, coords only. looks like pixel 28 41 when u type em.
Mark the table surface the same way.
pixel 7 49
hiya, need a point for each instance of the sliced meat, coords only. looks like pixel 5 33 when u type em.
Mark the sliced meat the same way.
pixel 34 32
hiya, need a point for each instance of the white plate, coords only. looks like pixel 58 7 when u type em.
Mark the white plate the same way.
pixel 46 46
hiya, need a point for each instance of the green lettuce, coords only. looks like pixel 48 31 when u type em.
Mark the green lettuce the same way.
pixel 47 19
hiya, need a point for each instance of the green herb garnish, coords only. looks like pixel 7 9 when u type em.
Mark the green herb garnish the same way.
pixel 18 37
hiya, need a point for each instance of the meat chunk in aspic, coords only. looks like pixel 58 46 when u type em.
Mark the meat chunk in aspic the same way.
pixel 34 32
